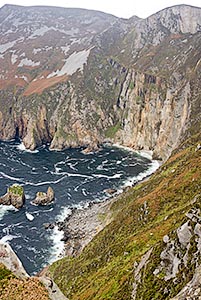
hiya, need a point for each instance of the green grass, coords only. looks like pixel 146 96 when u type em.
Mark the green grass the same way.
pixel 4 272
pixel 104 270
pixel 16 190
pixel 111 131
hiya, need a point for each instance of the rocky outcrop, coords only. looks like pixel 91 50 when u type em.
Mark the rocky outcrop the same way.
pixel 44 198
pixel 15 196
pixel 179 256
pixel 19 284
pixel 52 288
pixel 192 290
pixel 82 225
pixel 11 261
pixel 111 191
pixel 179 19
pixel 137 273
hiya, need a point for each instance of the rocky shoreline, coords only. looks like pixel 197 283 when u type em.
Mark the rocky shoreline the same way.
pixel 83 224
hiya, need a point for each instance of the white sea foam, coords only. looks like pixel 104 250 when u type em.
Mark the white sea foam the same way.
pixel 84 192
pixel 4 209
pixel 57 170
pixel 71 175
pixel 8 237
pixel 45 182
pixel 42 211
pixel 145 153
pixel 22 147
pixel 10 177
pixel 107 176
pixel 29 216
pixel 71 166
pixel 79 175
pixel 132 180
pixel 65 212
pixel 57 250
pixel 81 205
pixel 121 147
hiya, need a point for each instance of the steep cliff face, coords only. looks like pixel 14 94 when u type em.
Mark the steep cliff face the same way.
pixel 95 78
pixel 154 114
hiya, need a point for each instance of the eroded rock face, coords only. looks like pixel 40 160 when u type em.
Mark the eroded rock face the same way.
pixel 153 116
pixel 44 198
pixel 15 196
pixel 142 99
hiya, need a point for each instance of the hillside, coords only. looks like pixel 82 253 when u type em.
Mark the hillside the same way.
pixel 151 248
pixel 13 288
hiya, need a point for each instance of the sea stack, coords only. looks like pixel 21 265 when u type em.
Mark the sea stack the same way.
pixel 43 198
pixel 15 196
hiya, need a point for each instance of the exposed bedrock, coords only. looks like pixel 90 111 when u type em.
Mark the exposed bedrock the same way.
pixel 131 82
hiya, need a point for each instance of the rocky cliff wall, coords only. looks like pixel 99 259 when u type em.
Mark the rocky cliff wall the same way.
pixel 154 113
pixel 135 88
pixel 147 112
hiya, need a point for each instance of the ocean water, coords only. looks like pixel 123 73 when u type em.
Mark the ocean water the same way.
pixel 76 178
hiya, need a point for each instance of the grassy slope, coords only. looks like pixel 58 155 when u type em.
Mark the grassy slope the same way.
pixel 105 268
pixel 12 288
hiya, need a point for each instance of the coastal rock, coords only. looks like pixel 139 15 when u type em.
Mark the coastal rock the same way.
pixel 50 194
pixel 48 225
pixel 15 196
pixel 110 191
pixel 11 261
pixel 91 149
pixel 43 198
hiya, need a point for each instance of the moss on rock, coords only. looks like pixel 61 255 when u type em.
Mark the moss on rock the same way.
pixel 16 190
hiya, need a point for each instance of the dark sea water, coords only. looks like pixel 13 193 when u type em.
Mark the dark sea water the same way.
pixel 76 178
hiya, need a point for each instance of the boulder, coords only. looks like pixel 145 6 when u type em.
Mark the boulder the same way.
pixel 43 198
pixel 111 191
pixel 49 225
pixel 15 196
pixel 92 148
pixel 50 194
